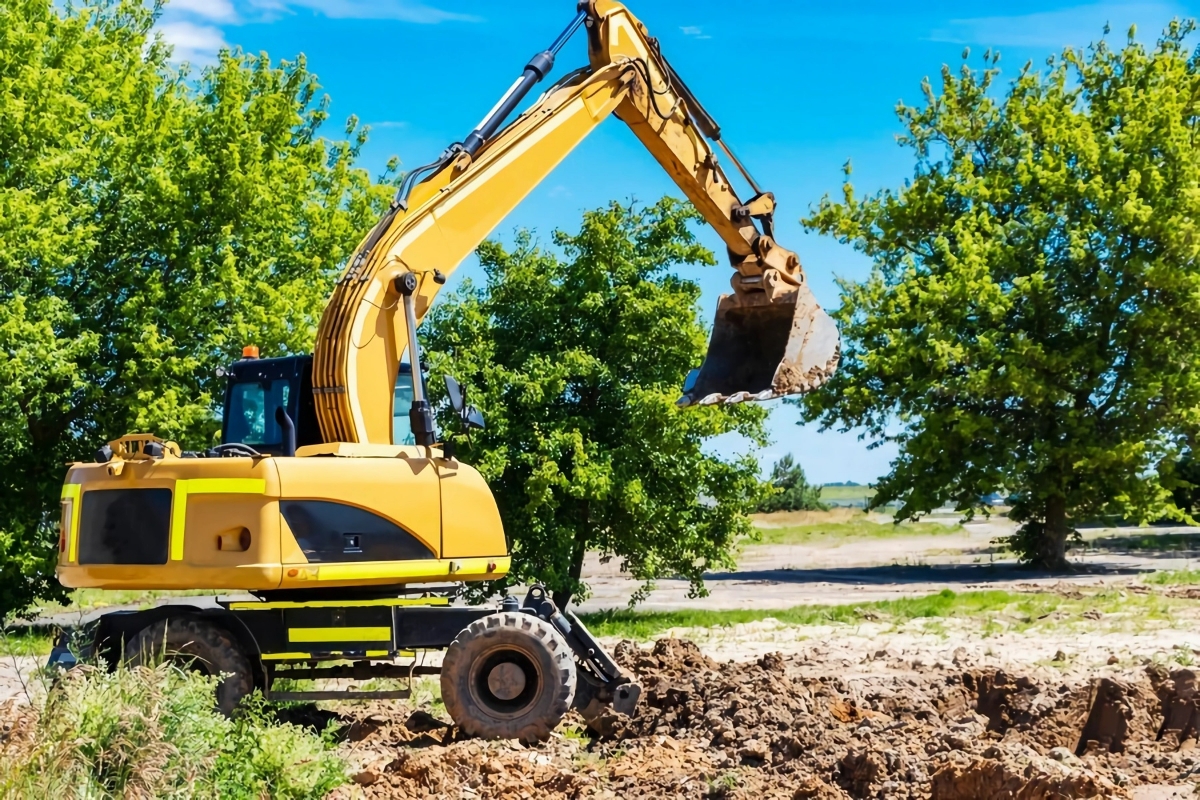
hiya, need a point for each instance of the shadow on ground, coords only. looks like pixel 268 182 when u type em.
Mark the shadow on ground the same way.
pixel 930 573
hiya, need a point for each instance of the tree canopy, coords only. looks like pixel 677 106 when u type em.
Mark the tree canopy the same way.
pixel 577 359
pixel 152 222
pixel 1032 323
pixel 791 489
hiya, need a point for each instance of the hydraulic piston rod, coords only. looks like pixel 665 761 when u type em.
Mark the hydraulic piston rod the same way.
pixel 538 67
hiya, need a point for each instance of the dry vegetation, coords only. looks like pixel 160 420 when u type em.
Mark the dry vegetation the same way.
pixel 153 733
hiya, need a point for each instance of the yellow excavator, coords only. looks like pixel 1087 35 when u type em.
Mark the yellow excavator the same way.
pixel 330 504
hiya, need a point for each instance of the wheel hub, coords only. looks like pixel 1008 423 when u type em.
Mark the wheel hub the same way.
pixel 506 681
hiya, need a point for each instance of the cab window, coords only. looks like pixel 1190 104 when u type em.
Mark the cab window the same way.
pixel 252 412
pixel 401 404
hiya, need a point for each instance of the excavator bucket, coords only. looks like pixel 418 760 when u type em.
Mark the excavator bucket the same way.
pixel 761 349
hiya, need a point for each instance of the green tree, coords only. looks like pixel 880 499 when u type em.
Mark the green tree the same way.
pixel 577 361
pixel 792 491
pixel 151 223
pixel 1031 323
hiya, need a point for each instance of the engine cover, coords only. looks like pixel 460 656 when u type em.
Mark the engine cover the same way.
pixel 335 515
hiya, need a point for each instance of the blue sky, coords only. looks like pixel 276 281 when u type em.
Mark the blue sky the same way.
pixel 798 89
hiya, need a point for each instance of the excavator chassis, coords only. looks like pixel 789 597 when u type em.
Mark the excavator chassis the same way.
pixel 365 639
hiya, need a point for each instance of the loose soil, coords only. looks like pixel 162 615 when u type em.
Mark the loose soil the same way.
pixel 784 727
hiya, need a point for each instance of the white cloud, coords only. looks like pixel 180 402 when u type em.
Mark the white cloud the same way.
pixel 694 31
pixel 1076 26
pixel 389 123
pixel 196 44
pixel 208 9
pixel 401 10
pixel 190 26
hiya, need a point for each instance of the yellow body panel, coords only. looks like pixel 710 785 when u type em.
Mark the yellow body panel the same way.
pixel 195 528
pixel 467 508
pixel 310 635
pixel 222 496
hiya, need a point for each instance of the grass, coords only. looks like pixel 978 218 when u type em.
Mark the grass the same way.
pixel 854 529
pixel 1160 542
pixel 846 493
pixel 26 642
pixel 1183 577
pixel 1019 611
pixel 647 624
pixel 154 733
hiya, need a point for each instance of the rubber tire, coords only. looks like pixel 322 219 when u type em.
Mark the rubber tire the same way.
pixel 538 642
pixel 204 646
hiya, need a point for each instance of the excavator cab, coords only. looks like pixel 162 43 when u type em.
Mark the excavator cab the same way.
pixel 260 387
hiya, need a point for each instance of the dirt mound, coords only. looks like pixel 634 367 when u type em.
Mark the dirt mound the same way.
pixel 1016 777
pixel 765 730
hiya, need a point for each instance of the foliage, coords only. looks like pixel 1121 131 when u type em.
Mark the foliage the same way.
pixel 1031 324
pixel 577 362
pixel 1186 492
pixel 151 223
pixel 791 489
pixel 154 733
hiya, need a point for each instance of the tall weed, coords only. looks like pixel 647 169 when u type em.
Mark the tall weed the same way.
pixel 154 733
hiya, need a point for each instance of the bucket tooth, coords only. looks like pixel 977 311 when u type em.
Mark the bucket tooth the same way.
pixel 762 349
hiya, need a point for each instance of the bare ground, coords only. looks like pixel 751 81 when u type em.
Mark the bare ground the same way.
pixel 1102 705
pixel 808 726
pixel 837 571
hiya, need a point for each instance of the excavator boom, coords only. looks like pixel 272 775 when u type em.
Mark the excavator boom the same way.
pixel 770 338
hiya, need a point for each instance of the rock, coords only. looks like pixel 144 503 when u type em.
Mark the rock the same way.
pixel 1107 722
pixel 424 722
pixel 754 750
pixel 858 770
pixel 1063 755
pixel 366 778
pixel 1035 779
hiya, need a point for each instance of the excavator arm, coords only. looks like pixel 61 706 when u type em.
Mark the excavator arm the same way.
pixel 770 337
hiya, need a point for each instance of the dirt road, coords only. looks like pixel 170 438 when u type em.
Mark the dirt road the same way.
pixel 828 572
pixel 17 677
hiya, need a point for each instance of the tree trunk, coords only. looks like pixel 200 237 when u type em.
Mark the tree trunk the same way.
pixel 562 598
pixel 1052 549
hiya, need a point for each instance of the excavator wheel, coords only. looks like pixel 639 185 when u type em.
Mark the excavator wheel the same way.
pixel 196 644
pixel 508 676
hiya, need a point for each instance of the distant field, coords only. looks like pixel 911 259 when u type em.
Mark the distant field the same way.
pixel 840 525
pixel 846 494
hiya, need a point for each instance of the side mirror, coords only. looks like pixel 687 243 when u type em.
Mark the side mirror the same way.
pixel 456 394
pixel 473 417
